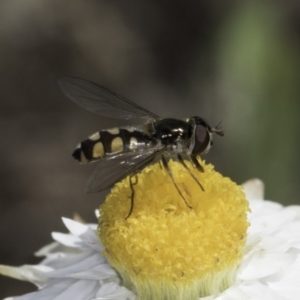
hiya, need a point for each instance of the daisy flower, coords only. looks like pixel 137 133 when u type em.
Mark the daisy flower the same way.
pixel 227 243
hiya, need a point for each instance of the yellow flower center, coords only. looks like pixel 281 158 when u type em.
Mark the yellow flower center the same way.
pixel 166 250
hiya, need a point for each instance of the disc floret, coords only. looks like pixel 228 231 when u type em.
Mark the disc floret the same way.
pixel 166 250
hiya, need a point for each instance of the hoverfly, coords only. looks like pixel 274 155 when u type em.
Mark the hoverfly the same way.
pixel 125 151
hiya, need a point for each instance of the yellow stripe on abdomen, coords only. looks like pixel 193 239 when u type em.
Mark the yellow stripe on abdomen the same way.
pixel 98 150
pixel 117 145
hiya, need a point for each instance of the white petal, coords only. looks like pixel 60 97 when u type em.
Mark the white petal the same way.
pixel 83 267
pixel 259 243
pixel 263 207
pixel 290 232
pixel 66 259
pixel 64 290
pixel 288 283
pixel 74 227
pixel 271 221
pixel 233 293
pixel 254 189
pixel 79 290
pixel 85 233
pixel 112 291
pixel 57 250
pixel 101 272
pixel 265 263
pixel 68 240
pixel 295 208
pixel 48 249
pixel 29 273
pixel 259 291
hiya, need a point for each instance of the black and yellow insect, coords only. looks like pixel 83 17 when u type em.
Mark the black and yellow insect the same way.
pixel 124 151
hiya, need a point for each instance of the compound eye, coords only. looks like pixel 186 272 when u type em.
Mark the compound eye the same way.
pixel 201 139
pixel 201 133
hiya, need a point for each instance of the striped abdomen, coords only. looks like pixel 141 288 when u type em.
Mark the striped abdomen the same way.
pixel 111 142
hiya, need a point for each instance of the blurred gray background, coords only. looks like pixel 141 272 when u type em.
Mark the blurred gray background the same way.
pixel 235 61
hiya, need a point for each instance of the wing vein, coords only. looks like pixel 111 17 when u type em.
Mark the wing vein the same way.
pixel 100 100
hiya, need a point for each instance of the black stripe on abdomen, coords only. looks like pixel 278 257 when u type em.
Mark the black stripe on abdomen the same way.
pixel 109 142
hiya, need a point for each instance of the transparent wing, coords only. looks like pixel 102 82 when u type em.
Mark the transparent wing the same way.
pixel 100 100
pixel 110 171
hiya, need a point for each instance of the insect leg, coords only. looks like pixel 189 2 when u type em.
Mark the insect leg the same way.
pixel 187 168
pixel 135 170
pixel 131 184
pixel 165 164
pixel 196 163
